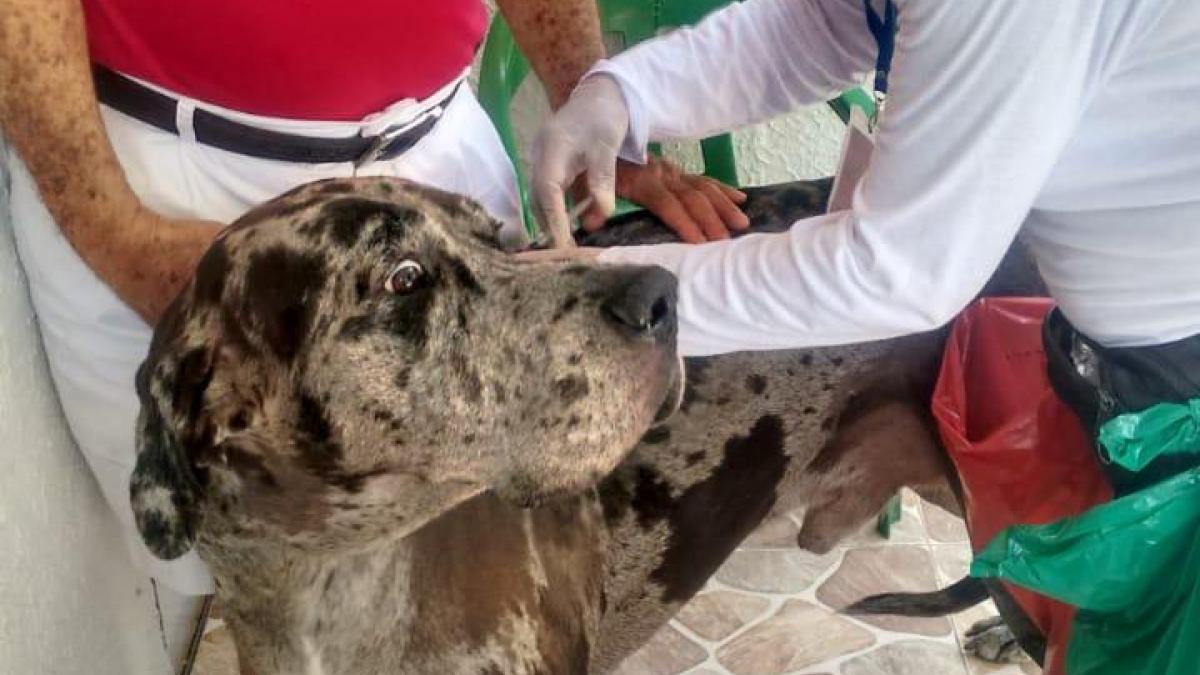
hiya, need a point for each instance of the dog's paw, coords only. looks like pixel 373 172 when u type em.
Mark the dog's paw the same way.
pixel 993 641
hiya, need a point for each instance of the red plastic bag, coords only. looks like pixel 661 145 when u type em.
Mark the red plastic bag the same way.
pixel 1022 455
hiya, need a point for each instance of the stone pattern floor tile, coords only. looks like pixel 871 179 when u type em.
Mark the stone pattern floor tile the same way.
pixel 909 657
pixel 799 635
pixel 885 569
pixel 217 655
pixel 778 532
pixel 1027 667
pixel 774 571
pixel 668 653
pixel 943 526
pixel 717 614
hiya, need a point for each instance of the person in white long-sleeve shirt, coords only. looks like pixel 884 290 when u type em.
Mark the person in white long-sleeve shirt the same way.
pixel 1075 122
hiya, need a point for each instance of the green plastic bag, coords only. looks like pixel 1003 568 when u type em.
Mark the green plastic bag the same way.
pixel 1131 566
pixel 1134 440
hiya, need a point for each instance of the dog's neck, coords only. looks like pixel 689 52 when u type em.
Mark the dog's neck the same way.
pixel 297 611
pixel 421 603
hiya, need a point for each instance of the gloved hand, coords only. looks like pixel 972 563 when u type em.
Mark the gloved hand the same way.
pixel 584 136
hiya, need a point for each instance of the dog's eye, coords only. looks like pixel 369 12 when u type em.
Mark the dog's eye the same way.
pixel 407 277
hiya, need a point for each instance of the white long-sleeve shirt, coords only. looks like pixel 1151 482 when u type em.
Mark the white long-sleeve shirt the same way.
pixel 1078 120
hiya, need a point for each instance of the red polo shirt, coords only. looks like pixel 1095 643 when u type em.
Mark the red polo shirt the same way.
pixel 299 59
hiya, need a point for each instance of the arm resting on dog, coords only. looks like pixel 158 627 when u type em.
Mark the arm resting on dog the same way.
pixel 48 111
pixel 961 158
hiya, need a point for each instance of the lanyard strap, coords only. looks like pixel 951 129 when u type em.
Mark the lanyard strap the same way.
pixel 884 30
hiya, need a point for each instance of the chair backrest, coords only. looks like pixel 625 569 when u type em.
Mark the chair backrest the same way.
pixel 624 23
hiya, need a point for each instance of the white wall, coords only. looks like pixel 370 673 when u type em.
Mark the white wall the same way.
pixel 70 601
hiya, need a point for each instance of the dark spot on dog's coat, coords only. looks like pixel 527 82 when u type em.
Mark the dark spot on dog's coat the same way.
pixel 276 209
pixel 656 435
pixel 356 327
pixel 571 388
pixel 210 275
pixel 712 516
pixel 352 482
pixel 465 277
pixel 362 286
pixel 569 304
pixel 334 187
pixel 652 501
pixel 281 288
pixel 318 450
pixel 615 495
pixel 193 375
pixel 756 384
pixel 690 396
pixel 347 218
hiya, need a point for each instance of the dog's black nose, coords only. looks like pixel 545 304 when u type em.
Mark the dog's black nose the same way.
pixel 644 305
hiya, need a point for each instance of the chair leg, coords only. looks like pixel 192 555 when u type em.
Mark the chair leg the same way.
pixel 889 516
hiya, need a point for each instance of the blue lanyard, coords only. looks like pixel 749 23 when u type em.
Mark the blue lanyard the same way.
pixel 884 30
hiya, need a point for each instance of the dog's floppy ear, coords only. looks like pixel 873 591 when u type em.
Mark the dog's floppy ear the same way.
pixel 164 489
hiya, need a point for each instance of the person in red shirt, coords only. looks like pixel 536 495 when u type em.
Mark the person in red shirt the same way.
pixel 205 110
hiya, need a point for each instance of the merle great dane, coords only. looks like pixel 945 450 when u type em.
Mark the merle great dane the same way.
pixel 401 452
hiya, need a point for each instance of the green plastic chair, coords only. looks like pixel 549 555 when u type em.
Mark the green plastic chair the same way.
pixel 624 23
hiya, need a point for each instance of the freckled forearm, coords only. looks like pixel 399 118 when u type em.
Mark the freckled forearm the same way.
pixel 49 114
pixel 48 111
pixel 561 38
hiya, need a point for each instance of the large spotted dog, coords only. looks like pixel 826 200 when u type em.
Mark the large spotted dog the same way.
pixel 401 452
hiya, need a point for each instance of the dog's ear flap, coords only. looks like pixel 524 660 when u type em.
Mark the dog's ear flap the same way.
pixel 164 489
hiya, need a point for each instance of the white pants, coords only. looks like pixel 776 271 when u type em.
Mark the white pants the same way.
pixel 94 342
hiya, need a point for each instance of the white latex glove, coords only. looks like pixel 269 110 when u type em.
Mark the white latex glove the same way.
pixel 584 136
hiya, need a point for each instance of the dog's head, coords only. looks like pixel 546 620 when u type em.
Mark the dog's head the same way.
pixel 356 357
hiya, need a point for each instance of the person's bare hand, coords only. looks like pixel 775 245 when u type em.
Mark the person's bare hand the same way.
pixel 697 208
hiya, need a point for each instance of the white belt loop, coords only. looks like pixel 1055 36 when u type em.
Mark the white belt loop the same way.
pixel 409 112
pixel 185 112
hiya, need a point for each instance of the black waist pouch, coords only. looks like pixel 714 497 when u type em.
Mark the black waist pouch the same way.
pixel 1099 383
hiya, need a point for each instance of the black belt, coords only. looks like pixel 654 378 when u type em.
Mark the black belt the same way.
pixel 156 109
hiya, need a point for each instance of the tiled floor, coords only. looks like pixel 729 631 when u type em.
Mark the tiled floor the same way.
pixel 769 610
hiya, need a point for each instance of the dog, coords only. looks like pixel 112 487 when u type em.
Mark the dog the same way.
pixel 400 451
